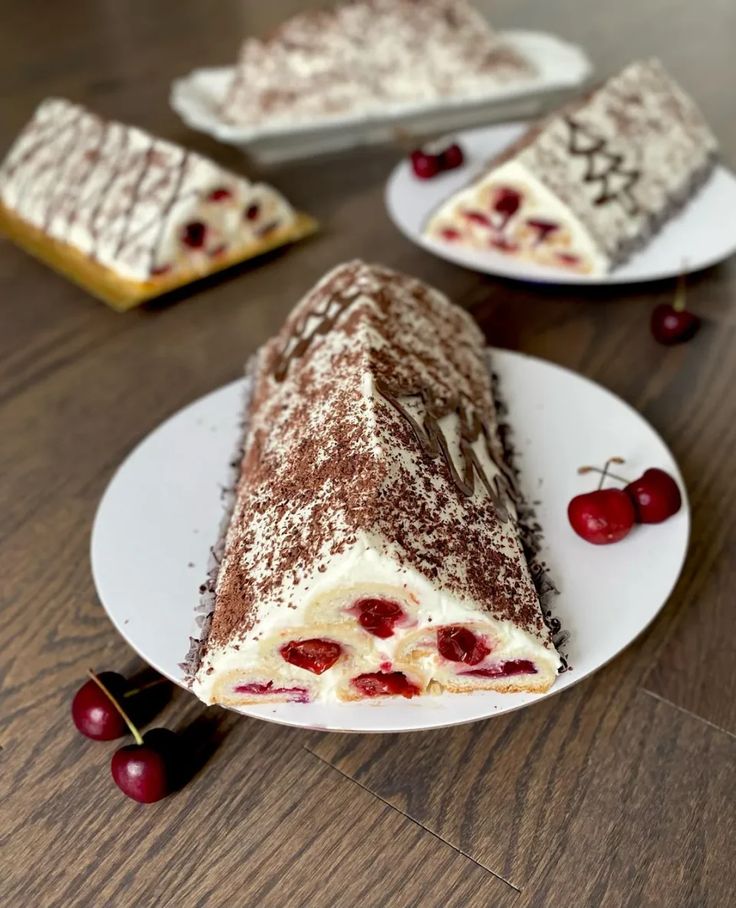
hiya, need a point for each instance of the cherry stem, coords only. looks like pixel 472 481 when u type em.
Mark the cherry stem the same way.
pixel 133 730
pixel 608 473
pixel 678 303
pixel 150 684
pixel 604 472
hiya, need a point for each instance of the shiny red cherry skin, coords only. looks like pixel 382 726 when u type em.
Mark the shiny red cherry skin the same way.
pixel 144 772
pixel 452 157
pixel 603 516
pixel 425 165
pixel 673 326
pixel 93 713
pixel 459 644
pixel 315 655
pixel 655 496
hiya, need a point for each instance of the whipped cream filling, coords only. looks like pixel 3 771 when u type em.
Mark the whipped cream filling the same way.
pixel 319 602
pixel 538 203
pixel 139 205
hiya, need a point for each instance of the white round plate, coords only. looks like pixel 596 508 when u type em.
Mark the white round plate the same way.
pixel 692 240
pixel 162 509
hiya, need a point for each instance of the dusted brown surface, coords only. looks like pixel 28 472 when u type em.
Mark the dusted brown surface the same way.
pixel 618 792
pixel 324 464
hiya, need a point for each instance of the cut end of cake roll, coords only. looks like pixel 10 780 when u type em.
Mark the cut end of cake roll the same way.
pixel 587 186
pixel 374 528
pixel 511 211
pixel 129 215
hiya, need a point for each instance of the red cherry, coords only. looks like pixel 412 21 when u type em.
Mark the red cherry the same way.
pixel 378 616
pixel 655 495
pixel 477 217
pixel 603 516
pixel 450 234
pixel 504 245
pixel 252 211
pixel 144 772
pixel 506 201
pixel 220 194
pixel 459 644
pixel 504 669
pixel 193 234
pixel 673 326
pixel 315 655
pixel 452 157
pixel 380 684
pixel 567 258
pixel 94 714
pixel 425 165
pixel 543 228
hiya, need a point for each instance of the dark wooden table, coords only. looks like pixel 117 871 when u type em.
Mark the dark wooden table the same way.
pixel 618 792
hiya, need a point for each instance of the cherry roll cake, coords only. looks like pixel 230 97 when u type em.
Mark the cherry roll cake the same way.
pixel 129 215
pixel 373 547
pixel 587 186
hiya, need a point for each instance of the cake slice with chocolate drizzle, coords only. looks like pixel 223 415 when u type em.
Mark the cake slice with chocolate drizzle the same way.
pixel 590 184
pixel 373 548
pixel 128 215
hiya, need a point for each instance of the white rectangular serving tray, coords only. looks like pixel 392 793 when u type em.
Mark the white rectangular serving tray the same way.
pixel 561 66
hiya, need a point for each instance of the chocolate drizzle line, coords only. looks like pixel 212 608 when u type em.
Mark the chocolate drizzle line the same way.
pixel 111 151
pixel 433 442
pixel 299 341
pixel 594 149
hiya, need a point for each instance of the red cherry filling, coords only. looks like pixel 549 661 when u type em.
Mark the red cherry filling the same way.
pixel 314 655
pixel 378 616
pixel 459 644
pixel 252 211
pixel 543 228
pixel 506 202
pixel 158 270
pixel 193 234
pixel 220 194
pixel 568 259
pixel 504 669
pixel 300 694
pixel 383 684
pixel 449 233
pixel 504 245
pixel 477 217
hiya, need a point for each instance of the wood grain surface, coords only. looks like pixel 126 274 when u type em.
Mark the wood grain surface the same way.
pixel 618 792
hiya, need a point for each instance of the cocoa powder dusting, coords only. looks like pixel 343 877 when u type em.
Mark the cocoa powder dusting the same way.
pixel 328 459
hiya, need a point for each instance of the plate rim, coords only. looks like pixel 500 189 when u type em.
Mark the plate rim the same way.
pixel 555 690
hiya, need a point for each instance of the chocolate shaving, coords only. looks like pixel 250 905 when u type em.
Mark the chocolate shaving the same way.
pixel 323 462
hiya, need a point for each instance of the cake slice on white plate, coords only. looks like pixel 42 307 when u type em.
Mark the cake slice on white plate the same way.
pixel 373 547
pixel 129 215
pixel 584 188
